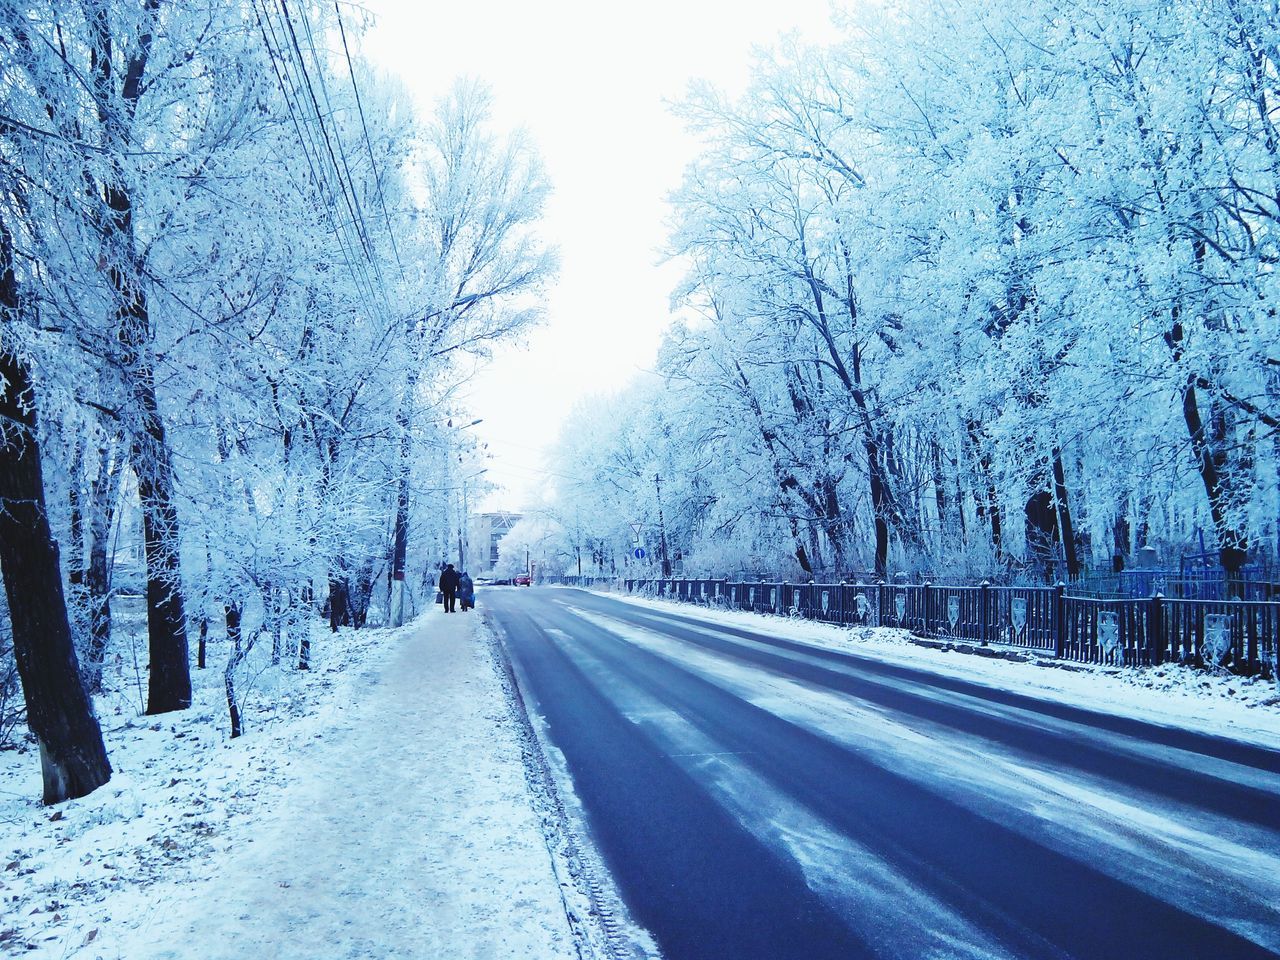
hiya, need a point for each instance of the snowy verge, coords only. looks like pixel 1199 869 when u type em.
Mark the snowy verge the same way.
pixel 376 809
pixel 1240 708
pixel 180 790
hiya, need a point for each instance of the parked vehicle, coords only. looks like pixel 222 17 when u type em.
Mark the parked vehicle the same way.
pixel 523 580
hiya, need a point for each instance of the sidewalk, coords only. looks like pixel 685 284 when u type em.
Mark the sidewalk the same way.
pixel 403 829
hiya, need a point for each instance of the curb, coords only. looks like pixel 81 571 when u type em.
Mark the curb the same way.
pixel 596 916
pixel 973 649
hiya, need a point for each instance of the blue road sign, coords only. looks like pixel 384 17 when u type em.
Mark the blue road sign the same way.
pixel 638 553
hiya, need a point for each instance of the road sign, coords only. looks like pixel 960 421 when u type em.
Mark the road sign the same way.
pixel 639 553
pixel 635 532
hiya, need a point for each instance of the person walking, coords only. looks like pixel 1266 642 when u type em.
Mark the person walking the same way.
pixel 466 592
pixel 449 587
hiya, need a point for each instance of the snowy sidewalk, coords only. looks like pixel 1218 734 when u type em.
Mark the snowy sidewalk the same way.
pixel 404 832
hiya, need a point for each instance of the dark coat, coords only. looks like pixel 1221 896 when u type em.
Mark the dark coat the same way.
pixel 449 580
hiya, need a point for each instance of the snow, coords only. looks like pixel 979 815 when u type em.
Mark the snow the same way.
pixel 1240 708
pixel 382 810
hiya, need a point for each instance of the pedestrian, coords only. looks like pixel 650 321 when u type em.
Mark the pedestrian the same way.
pixel 466 592
pixel 449 587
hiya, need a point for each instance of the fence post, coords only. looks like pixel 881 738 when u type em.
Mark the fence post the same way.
pixel 984 611
pixel 1060 620
pixel 882 590
pixel 924 591
pixel 1155 628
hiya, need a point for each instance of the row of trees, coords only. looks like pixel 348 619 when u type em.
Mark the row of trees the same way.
pixel 236 276
pixel 979 285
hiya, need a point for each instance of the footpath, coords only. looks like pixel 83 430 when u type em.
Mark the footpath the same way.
pixel 394 821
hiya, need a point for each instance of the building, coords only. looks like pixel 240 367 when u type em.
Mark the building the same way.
pixel 487 529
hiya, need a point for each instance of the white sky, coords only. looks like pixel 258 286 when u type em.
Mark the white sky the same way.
pixel 589 81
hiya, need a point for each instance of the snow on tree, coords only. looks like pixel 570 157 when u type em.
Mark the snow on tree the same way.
pixel 249 276
pixel 979 287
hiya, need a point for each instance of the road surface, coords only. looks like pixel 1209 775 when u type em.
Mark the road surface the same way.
pixel 759 798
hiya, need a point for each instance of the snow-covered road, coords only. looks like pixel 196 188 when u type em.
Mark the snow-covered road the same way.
pixel 404 830
pixel 759 797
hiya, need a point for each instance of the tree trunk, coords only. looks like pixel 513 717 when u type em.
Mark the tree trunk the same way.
pixel 104 492
pixel 273 610
pixel 400 542
pixel 940 495
pixel 893 480
pixel 1211 462
pixel 360 600
pixel 986 499
pixel 1042 531
pixel 1121 546
pixel 835 524
pixel 233 613
pixel 1219 488
pixel 400 546
pixel 75 566
pixel 73 759
pixel 1064 514
pixel 169 683
pixel 305 599
pixel 879 509
pixel 339 608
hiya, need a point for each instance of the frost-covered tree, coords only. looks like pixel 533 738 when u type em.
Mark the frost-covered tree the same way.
pixel 249 276
pixel 984 287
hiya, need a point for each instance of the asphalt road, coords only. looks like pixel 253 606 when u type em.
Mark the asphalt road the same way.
pixel 759 798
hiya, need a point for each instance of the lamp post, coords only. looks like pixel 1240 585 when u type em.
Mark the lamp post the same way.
pixel 662 528
pixel 463 537
pixel 400 540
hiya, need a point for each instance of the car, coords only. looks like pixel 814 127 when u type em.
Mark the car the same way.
pixel 523 580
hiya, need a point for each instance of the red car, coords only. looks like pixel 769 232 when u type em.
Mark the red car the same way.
pixel 523 580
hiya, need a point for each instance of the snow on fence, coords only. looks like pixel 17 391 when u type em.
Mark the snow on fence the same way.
pixel 1242 635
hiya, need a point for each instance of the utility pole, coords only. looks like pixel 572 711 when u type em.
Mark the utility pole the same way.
pixel 400 537
pixel 462 527
pixel 662 528
pixel 464 532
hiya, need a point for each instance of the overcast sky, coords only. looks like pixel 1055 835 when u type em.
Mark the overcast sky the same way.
pixel 590 82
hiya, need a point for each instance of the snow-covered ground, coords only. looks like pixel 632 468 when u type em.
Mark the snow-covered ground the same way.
pixel 377 807
pixel 1241 708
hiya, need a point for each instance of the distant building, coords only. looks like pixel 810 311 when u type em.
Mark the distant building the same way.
pixel 486 530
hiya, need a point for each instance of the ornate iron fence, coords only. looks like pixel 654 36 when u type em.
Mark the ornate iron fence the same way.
pixel 1242 635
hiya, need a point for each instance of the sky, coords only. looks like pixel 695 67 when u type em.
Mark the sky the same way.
pixel 591 84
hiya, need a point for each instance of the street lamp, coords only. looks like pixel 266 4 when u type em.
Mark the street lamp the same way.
pixel 462 527
pixel 400 542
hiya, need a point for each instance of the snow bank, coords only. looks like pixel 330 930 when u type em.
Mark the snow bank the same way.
pixel 1240 708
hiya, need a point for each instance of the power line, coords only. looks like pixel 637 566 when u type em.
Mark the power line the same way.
pixel 348 190
pixel 382 199
pixel 289 90
pixel 362 225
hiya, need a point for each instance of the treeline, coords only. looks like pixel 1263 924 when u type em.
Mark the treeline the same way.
pixel 977 286
pixel 236 272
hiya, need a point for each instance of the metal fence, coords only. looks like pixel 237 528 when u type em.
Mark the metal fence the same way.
pixel 1241 635
pixel 1196 584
